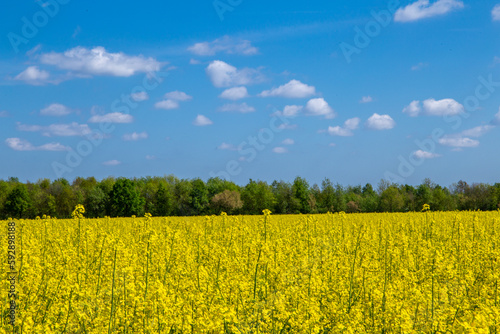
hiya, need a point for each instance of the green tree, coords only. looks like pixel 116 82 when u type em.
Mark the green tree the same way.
pixel 163 201
pixel 18 202
pixel 301 192
pixel 125 200
pixel 391 200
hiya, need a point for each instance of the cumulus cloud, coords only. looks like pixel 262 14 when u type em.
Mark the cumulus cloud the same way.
pixel 288 141
pixel 293 89
pixel 380 122
pixel 226 45
pixel 425 155
pixel 224 75
pixel 98 61
pixel 235 93
pixel 319 107
pixel 112 163
pixel 464 138
pixel 280 150
pixel 139 96
pixel 167 104
pixel 346 129
pixel 115 117
pixel 57 130
pixel 55 109
pixel 33 76
pixel 235 107
pixel 135 136
pixel 288 111
pixel 423 9
pixel 458 141
pixel 178 96
pixel 201 120
pixel 18 144
pixel 432 107
pixel 366 99
pixel 495 13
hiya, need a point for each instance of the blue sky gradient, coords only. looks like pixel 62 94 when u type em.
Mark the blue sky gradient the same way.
pixel 412 68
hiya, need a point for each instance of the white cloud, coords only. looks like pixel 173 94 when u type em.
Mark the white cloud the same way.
pixel 380 122
pixel 423 9
pixel 167 104
pixel 115 117
pixel 33 76
pixel 140 96
pixel 4 113
pixel 135 136
pixel 226 45
pixel 366 99
pixel 462 139
pixel 425 155
pixel 280 150
pixel 288 141
pixel 224 75
pixel 495 13
pixel 496 119
pixel 150 157
pixel 319 107
pixel 478 131
pixel 235 107
pixel 55 109
pixel 111 163
pixel 57 130
pixel 346 130
pixel 419 66
pixel 293 89
pixel 458 141
pixel 339 131
pixel 178 96
pixel 18 144
pixel 432 107
pixel 234 93
pixel 194 62
pixel 227 147
pixel 98 61
pixel 288 111
pixel 413 109
pixel 352 123
pixel 201 120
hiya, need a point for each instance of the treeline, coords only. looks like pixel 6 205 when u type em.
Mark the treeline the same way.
pixel 171 196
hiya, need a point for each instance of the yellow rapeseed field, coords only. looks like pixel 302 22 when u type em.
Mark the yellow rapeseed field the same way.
pixel 427 272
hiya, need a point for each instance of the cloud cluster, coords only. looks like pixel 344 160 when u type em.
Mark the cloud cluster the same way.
pixel 380 122
pixel 18 144
pixel 347 129
pixel 432 107
pixel 98 61
pixel 172 100
pixel 57 130
pixel 55 109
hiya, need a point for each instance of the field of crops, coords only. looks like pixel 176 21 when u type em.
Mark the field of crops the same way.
pixel 428 272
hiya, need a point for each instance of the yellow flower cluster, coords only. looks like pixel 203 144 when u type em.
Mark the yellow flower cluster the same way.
pixel 335 273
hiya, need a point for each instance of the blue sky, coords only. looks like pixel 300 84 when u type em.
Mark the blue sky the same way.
pixel 353 91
